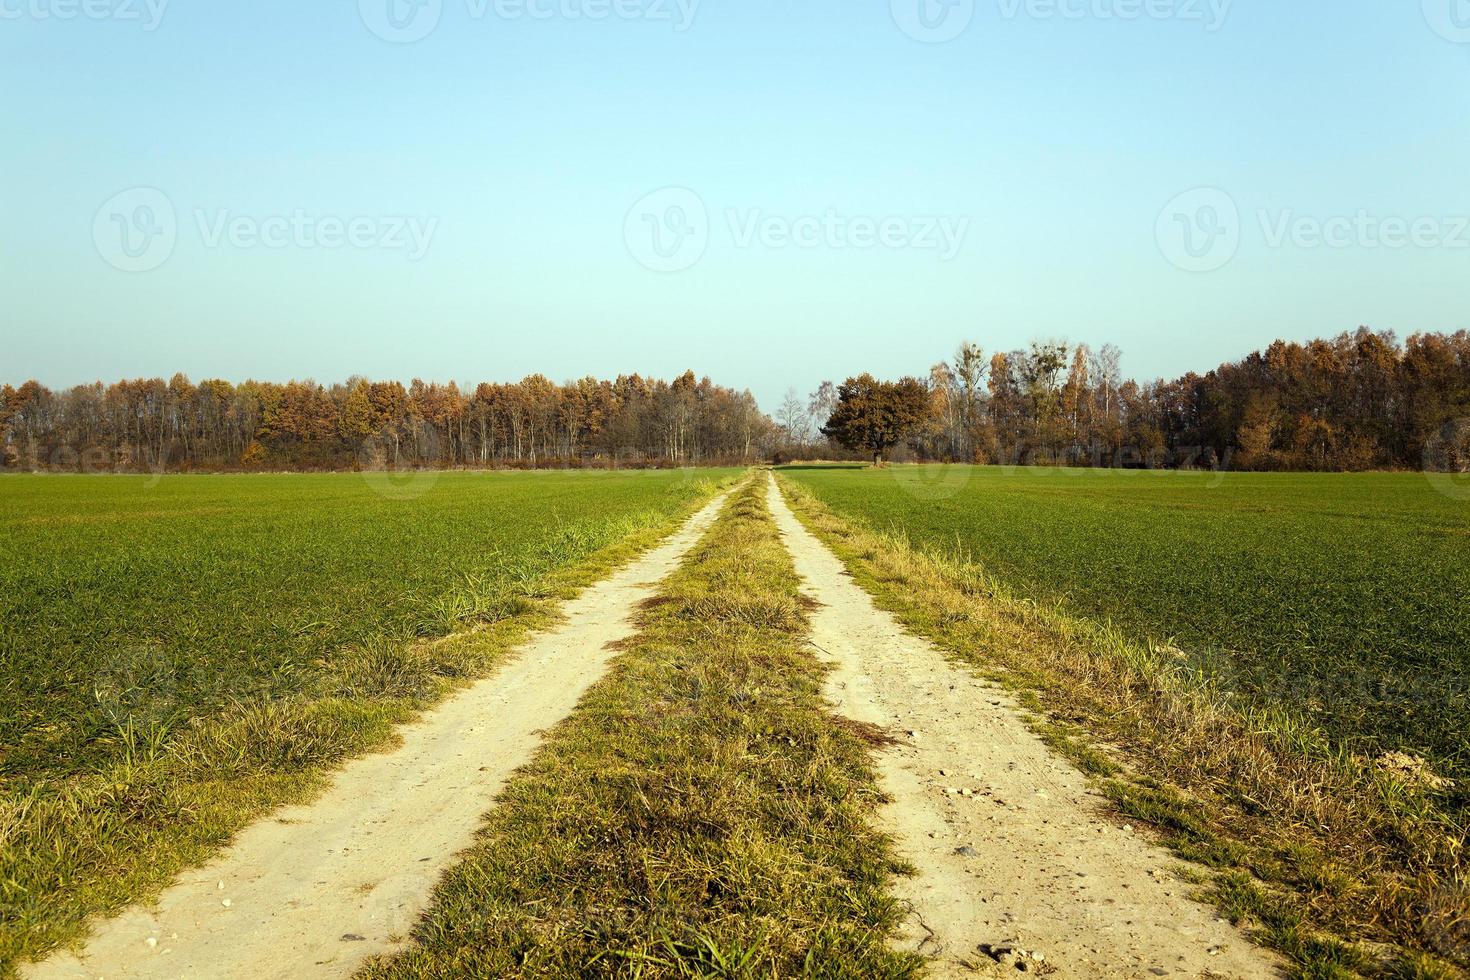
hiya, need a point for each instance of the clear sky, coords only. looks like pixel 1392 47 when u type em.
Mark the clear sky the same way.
pixel 459 189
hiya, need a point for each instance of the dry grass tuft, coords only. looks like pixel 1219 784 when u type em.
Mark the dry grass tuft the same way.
pixel 874 736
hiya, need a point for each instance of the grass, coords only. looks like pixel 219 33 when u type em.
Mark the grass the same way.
pixel 1345 598
pixel 1346 868
pixel 178 656
pixel 699 815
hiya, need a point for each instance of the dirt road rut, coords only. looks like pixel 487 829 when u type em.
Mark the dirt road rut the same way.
pixel 1011 850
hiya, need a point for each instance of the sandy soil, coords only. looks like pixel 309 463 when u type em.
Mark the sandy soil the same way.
pixel 314 891
pixel 1010 845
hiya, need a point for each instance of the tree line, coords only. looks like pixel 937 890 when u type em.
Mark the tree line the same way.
pixel 152 424
pixel 1358 401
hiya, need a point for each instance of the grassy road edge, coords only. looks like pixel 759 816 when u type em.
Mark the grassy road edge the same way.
pixel 1341 867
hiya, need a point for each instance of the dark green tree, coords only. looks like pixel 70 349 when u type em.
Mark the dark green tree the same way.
pixel 873 415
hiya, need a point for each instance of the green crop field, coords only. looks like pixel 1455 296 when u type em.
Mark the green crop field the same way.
pixel 200 590
pixel 1346 597
pixel 177 653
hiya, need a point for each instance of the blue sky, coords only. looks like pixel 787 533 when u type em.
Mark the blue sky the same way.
pixel 318 200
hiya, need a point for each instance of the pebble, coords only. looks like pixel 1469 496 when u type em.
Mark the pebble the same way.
pixel 226 903
pixel 151 942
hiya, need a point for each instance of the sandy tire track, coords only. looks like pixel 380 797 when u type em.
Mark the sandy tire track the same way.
pixel 1008 840
pixel 315 890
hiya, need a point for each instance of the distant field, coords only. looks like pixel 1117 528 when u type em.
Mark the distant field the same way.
pixel 1347 596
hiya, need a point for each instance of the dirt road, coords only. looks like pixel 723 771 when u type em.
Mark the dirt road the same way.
pixel 1009 843
pixel 314 891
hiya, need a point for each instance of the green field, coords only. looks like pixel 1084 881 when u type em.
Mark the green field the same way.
pixel 177 654
pixel 116 595
pixel 1344 596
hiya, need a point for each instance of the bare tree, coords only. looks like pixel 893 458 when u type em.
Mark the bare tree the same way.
pixel 970 368
pixel 1107 375
pixel 823 403
pixel 795 422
